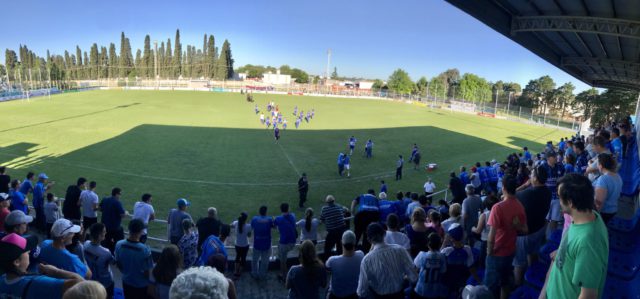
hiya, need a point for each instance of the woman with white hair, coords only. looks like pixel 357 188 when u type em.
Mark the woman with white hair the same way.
pixel 199 282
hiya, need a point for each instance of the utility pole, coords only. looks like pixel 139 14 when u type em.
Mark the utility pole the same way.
pixel 495 110
pixel 155 60
pixel 326 78
pixel 509 102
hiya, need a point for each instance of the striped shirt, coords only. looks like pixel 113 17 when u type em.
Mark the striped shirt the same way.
pixel 333 216
pixel 383 270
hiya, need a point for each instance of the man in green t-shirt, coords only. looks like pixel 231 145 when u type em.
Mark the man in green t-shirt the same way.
pixel 579 268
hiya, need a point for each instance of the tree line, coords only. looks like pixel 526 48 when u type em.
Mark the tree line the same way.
pixel 102 62
pixel 542 95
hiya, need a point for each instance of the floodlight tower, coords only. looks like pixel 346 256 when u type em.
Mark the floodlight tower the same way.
pixel 328 63
pixel 155 59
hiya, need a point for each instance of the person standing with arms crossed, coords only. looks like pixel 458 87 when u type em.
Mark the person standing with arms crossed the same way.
pixel 303 189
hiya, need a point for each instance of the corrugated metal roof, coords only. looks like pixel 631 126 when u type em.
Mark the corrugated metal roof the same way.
pixel 596 41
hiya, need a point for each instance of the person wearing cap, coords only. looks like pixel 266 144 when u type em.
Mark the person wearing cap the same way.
pixel 144 211
pixel 332 215
pixel 507 219
pixel 345 269
pixel 112 214
pixel 175 218
pixel 384 269
pixel 459 258
pixel 16 222
pixel 5 201
pixel 54 252
pixel 209 225
pixel 5 179
pixel 303 189
pixel 17 283
pixel 579 269
pixel 134 261
pixel 71 206
pixel 18 200
pixel 39 193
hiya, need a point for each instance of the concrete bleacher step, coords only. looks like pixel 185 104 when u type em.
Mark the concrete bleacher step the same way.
pixel 624 224
pixel 626 242
pixel 525 292
pixel 624 265
pixel 618 288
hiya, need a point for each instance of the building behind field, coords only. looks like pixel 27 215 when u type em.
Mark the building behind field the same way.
pixel 276 79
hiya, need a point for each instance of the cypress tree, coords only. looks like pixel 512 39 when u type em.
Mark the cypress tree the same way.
pixel 211 56
pixel 93 73
pixel 177 56
pixel 147 63
pixel 168 61
pixel 113 61
pixel 79 72
pixel 225 62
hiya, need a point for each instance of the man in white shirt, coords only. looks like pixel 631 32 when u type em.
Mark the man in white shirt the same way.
pixel 384 268
pixel 429 187
pixel 89 203
pixel 143 210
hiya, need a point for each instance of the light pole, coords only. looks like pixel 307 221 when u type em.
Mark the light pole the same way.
pixel 495 110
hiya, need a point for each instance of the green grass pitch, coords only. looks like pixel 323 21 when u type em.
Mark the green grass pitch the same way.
pixel 211 148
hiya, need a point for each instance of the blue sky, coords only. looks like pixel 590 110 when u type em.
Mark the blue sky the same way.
pixel 367 38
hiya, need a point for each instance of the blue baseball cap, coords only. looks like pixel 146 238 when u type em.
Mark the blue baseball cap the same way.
pixel 43 176
pixel 456 232
pixel 182 202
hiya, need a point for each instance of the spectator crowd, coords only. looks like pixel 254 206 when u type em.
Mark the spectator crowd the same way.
pixel 500 219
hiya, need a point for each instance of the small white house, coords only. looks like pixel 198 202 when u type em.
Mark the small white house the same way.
pixel 276 79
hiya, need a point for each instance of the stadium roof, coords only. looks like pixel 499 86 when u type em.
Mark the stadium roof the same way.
pixel 596 41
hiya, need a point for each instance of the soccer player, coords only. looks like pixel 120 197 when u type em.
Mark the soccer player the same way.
pixel 276 133
pixel 313 112
pixel 268 122
pixel 399 165
pixel 340 163
pixel 297 123
pixel 262 118
pixel 295 110
pixel 368 148
pixel 347 164
pixel 284 124
pixel 352 144
pixel 301 114
pixel 256 109
pixel 413 152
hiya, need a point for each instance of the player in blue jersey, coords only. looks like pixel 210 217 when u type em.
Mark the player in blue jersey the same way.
pixel 256 109
pixel 297 123
pixel 340 163
pixel 352 144
pixel 268 122
pixel 284 124
pixel 313 112
pixel 413 152
pixel 262 118
pixel 295 110
pixel 276 134
pixel 368 149
pixel 347 164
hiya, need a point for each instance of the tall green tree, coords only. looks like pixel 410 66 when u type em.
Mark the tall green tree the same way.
pixel 94 64
pixel 168 61
pixel 421 86
pixel 334 74
pixel 613 104
pixel 147 62
pixel 79 70
pixel 113 61
pixel 177 56
pixel 300 76
pixel 210 55
pixel 11 62
pixel 104 61
pixel 585 102
pixel 126 57
pixel 225 62
pixel 400 82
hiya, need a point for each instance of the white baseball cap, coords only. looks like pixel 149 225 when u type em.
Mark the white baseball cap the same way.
pixel 62 227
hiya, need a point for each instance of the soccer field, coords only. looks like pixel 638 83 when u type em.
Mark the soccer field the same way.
pixel 211 148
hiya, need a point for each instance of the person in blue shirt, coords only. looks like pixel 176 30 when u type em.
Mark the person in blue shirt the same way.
pixel 268 122
pixel 555 170
pixel 112 214
pixel 561 145
pixel 261 226
pixel 284 124
pixel 383 186
pixel 99 259
pixel 569 164
pixel 352 144
pixel 368 212
pixel 387 207
pixel 39 198
pixel 286 224
pixel 295 110
pixel 340 164
pixel 607 187
pixel 484 178
pixel 347 164
pixel 27 184
pixel 569 150
pixel 527 154
pixel 55 253
pixel 492 175
pixel 18 200
pixel 256 109
pixel 210 247
pixel 414 150
pixel 276 134
pixel 464 177
pixel 368 148
pixel 51 282
pixel 582 158
pixel 134 260
pixel 616 144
